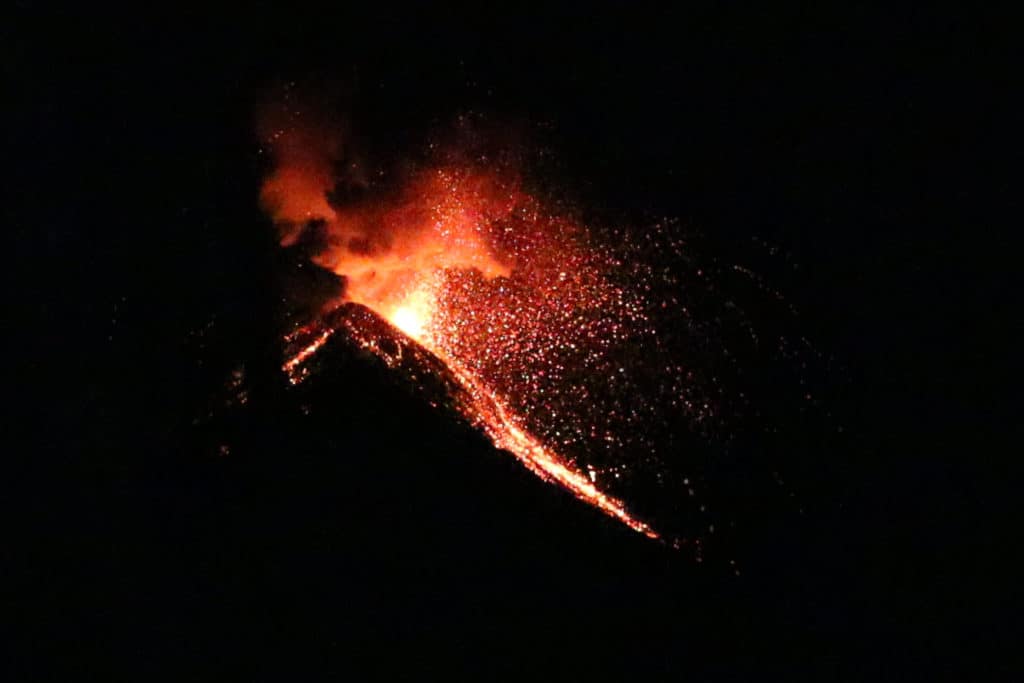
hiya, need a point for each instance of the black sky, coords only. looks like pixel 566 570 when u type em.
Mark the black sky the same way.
pixel 866 145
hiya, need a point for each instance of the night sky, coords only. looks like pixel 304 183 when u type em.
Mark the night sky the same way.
pixel 851 158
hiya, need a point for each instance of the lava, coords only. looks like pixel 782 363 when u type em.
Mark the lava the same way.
pixel 493 417
pixel 511 297
pixel 480 406
pixel 293 364
pixel 414 314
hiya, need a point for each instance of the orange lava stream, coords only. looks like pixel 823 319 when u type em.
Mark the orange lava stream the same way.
pixel 421 251
pixel 291 366
pixel 493 417
pixel 485 410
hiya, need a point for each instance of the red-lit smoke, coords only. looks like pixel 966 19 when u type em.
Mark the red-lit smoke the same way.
pixel 507 293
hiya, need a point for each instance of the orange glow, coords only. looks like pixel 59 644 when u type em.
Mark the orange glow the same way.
pixel 473 269
pixel 493 417
pixel 414 314
pixel 292 366
pixel 388 254
pixel 481 407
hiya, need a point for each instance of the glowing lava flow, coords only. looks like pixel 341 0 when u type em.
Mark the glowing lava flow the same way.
pixel 493 417
pixel 497 335
pixel 292 365
pixel 504 293
pixel 491 414
pixel 481 406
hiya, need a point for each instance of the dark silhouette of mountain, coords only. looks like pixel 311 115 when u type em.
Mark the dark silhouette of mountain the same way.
pixel 350 527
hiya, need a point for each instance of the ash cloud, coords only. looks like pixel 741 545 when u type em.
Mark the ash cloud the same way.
pixel 382 237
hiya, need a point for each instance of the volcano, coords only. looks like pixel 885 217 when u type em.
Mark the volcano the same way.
pixel 446 385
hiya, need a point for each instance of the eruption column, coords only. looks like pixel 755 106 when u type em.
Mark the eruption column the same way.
pixel 497 288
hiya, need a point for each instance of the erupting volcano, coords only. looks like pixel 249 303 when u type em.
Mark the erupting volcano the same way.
pixel 540 330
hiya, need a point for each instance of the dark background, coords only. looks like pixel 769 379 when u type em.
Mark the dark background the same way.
pixel 865 145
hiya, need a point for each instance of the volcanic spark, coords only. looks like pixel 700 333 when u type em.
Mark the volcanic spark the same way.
pixel 513 299
pixel 481 406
